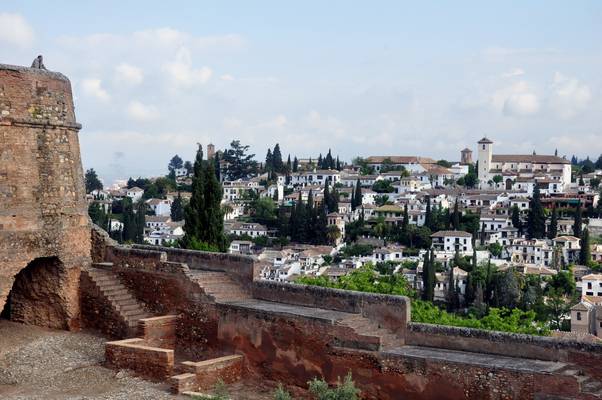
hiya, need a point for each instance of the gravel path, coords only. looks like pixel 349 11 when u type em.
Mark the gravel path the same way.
pixel 37 363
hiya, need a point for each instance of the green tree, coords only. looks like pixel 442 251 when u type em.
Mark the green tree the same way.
pixel 358 197
pixel 553 229
pixel 97 215
pixel 204 225
pixel 278 165
pixel 240 163
pixel 456 217
pixel 295 164
pixel 536 225
pixel 92 181
pixel 175 163
pixel 516 220
pixel 578 223
pixel 585 254
pixel 177 209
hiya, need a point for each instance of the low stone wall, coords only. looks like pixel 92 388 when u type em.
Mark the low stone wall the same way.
pixel 153 363
pixel 507 344
pixel 242 268
pixel 127 257
pixel 390 312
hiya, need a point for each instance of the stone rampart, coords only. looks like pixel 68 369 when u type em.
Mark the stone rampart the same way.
pixel 43 211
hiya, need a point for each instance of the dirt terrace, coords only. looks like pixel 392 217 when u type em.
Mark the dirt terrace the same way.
pixel 38 363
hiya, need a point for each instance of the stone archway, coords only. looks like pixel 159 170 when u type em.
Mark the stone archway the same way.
pixel 42 294
pixel 509 183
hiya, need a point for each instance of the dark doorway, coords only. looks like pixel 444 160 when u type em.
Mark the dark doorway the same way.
pixel 36 295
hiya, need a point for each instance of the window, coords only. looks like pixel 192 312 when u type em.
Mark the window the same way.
pixel 578 316
pixel 589 285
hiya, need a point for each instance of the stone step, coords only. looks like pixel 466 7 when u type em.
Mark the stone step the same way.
pixel 129 307
pixel 186 382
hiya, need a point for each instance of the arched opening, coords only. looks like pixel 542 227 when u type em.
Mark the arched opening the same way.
pixel 36 297
pixel 509 184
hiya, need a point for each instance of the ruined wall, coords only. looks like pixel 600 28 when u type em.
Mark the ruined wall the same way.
pixel 43 211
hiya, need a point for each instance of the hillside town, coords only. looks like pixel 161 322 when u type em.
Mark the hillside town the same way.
pixel 495 230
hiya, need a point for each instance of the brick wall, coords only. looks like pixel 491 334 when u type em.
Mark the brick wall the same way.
pixel 43 212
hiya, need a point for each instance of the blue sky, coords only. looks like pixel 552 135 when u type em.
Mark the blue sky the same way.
pixel 152 78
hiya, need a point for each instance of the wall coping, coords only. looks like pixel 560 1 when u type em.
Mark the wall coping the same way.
pixel 237 257
pixel 29 70
pixel 497 336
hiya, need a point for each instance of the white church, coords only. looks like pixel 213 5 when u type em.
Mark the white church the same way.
pixel 552 174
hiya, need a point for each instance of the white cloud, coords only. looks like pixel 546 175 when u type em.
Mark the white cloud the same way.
pixel 182 73
pixel 93 87
pixel 15 30
pixel 569 96
pixel 279 121
pixel 514 72
pixel 518 99
pixel 141 112
pixel 128 74
pixel 521 104
pixel 227 77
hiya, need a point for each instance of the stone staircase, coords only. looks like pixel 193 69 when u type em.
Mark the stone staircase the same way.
pixel 120 298
pixel 382 338
pixel 218 285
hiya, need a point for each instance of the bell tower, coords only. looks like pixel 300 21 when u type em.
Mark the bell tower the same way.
pixel 485 155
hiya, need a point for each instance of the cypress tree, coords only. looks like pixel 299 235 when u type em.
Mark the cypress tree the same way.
pixel 536 225
pixel 428 218
pixel 516 220
pixel 177 209
pixel 358 194
pixel 269 161
pixel 405 222
pixel 217 166
pixel 578 224
pixel 295 164
pixel 278 165
pixel 553 230
pixel 456 217
pixel 213 217
pixel 352 199
pixel 289 166
pixel 451 289
pixel 140 221
pixel 432 276
pixel 425 277
pixel 585 254
pixel 195 208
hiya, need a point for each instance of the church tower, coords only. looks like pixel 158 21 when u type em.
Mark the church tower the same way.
pixel 485 154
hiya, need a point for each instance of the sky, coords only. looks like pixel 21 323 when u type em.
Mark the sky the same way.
pixel 153 78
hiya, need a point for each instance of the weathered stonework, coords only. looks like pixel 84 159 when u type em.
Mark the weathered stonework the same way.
pixel 44 225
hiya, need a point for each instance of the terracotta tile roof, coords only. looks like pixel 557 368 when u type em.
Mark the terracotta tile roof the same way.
pixel 530 158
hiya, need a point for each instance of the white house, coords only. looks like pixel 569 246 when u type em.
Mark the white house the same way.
pixel 134 193
pixel 451 241
pixel 160 207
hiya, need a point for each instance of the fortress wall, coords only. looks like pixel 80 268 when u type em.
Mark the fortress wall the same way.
pixel 391 312
pixel 507 344
pixel 242 268
pixel 43 211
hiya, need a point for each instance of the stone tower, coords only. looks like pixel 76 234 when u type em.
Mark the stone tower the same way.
pixel 210 151
pixel 44 224
pixel 466 156
pixel 485 155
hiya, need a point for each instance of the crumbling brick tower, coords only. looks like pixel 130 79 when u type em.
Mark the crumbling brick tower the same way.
pixel 44 225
